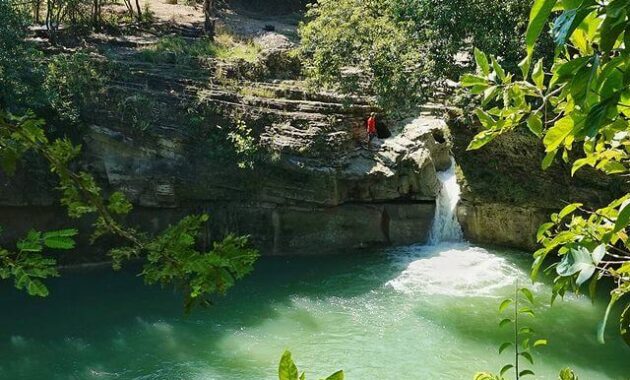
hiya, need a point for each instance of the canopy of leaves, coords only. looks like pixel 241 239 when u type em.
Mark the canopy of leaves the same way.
pixel 17 60
pixel 389 48
pixel 171 257
pixel 582 103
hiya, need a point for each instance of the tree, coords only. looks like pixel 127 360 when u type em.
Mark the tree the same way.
pixel 171 257
pixel 392 48
pixel 209 13
pixel 583 101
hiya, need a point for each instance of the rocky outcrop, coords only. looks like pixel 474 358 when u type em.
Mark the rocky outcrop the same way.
pixel 505 193
pixel 501 224
pixel 310 187
pixel 300 203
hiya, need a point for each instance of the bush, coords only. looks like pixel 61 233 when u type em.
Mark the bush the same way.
pixel 177 50
pixel 72 83
pixel 389 48
pixel 20 68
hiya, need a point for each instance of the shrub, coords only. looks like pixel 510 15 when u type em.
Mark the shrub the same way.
pixel 72 84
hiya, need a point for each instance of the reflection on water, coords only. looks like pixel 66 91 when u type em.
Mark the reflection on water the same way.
pixel 405 314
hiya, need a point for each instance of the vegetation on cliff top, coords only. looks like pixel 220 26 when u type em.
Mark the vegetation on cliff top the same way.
pixel 396 50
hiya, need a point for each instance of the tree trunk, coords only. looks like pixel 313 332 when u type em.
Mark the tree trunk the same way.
pixel 96 16
pixel 139 10
pixel 209 12
pixel 36 9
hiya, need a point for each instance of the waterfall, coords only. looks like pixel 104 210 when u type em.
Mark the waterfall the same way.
pixel 445 224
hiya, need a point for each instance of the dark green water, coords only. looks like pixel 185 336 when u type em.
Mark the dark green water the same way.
pixel 414 313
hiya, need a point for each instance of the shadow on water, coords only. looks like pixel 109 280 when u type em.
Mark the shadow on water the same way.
pixel 90 307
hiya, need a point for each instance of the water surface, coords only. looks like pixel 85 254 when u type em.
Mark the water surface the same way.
pixel 401 314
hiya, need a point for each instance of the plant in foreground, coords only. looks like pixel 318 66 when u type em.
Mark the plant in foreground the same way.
pixel 583 102
pixel 170 258
pixel 524 336
pixel 287 370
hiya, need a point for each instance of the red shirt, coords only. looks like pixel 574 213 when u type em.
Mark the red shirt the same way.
pixel 371 125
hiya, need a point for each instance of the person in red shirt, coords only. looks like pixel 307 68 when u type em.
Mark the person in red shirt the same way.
pixel 371 129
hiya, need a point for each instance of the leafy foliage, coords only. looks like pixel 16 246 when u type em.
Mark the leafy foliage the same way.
pixel 171 257
pixel 28 266
pixel 18 59
pixel 287 370
pixel 177 50
pixel 358 46
pixel 73 82
pixel 245 145
pixel 583 101
pixel 389 48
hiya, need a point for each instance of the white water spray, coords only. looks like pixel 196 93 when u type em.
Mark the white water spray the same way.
pixel 448 265
pixel 445 224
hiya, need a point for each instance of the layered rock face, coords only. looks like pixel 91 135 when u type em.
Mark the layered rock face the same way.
pixel 305 200
pixel 506 195
pixel 311 187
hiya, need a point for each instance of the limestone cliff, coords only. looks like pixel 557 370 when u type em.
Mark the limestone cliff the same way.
pixel 310 187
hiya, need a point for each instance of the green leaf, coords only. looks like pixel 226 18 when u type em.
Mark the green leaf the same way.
pixel 505 322
pixel 287 369
pixel 37 288
pixel 481 139
pixel 567 70
pixel 556 134
pixel 482 61
pixel 469 80
pixel 525 330
pixel 540 342
pixel 562 26
pixel 504 305
pixel 578 260
pixel 548 160
pixel 336 376
pixel 537 19
pixel 32 242
pixel 528 294
pixel 538 75
pixel 504 346
pixel 623 219
pixel 535 125
pixel 540 234
pixel 526 372
pixel 612 27
pixel 527 356
pixel 525 65
pixel 567 374
pixel 578 164
pixel 484 118
pixel 60 239
pixel 569 209
pixel 498 69
pixel 527 310
pixel 505 368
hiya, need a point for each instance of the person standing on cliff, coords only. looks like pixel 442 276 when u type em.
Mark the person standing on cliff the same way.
pixel 371 129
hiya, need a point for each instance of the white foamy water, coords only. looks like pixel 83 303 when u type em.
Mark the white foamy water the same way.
pixel 455 270
pixel 449 266
pixel 445 224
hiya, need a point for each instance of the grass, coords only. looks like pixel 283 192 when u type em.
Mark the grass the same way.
pixel 175 49
pixel 258 92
